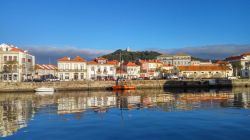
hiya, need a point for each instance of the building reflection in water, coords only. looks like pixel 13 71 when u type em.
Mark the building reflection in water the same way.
pixel 17 109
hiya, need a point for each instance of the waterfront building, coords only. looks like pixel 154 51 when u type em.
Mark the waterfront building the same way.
pixel 176 60
pixel 133 70
pixel 102 69
pixel 72 69
pixel 45 71
pixel 150 68
pixel 205 71
pixel 121 73
pixel 16 64
pixel 240 64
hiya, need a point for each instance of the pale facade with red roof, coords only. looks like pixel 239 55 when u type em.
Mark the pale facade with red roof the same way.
pixel 102 69
pixel 205 71
pixel 16 64
pixel 150 68
pixel 132 69
pixel 72 69
pixel 244 61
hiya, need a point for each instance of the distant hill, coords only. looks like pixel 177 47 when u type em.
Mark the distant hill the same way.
pixel 131 56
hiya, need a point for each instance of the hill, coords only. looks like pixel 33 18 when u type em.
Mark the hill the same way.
pixel 131 56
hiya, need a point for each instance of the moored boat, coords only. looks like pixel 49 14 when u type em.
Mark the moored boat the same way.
pixel 45 93
pixel 123 87
pixel 44 89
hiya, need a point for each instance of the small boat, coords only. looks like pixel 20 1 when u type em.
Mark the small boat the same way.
pixel 44 89
pixel 45 93
pixel 123 87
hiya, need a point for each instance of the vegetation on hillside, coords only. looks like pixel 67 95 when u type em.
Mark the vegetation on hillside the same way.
pixel 131 56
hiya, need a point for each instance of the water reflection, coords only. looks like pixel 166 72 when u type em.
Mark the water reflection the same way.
pixel 17 109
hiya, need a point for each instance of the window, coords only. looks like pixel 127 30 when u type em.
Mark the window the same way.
pixel 15 58
pixel 10 77
pixel 82 75
pixel 67 66
pixel 76 66
pixel 5 77
pixel 82 67
pixel 29 60
pixel 111 68
pixel 5 58
pixel 67 76
pixel 23 60
pixel 92 68
pixel 61 66
pixel 10 58
pixel 15 77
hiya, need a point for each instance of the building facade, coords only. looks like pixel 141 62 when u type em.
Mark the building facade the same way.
pixel 240 64
pixel 176 60
pixel 72 69
pixel 102 69
pixel 16 65
pixel 133 70
pixel 150 68
pixel 205 71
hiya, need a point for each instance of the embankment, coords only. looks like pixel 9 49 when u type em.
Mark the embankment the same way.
pixel 106 85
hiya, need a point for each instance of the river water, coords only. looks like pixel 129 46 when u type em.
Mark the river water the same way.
pixel 138 115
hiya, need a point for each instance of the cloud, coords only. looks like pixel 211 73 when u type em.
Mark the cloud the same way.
pixel 46 54
pixel 211 51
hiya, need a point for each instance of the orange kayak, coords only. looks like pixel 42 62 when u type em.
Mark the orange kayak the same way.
pixel 124 87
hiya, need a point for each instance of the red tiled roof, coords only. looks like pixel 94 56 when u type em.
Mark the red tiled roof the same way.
pixel 238 57
pixel 45 66
pixel 204 68
pixel 246 54
pixel 220 62
pixel 64 59
pixel 14 49
pixel 113 62
pixel 78 59
pixel 131 64
pixel 92 62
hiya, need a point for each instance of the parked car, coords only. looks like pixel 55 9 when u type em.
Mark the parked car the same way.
pixel 53 79
pixel 232 77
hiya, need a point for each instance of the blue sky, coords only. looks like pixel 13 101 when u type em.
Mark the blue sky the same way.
pixel 113 24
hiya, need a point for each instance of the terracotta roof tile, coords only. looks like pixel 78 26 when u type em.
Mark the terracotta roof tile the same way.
pixel 131 64
pixel 204 68
pixel 78 59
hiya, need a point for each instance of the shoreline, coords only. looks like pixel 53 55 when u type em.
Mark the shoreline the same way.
pixel 106 85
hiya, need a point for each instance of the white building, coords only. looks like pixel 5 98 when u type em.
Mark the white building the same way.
pixel 72 69
pixel 176 60
pixel 205 71
pixel 102 69
pixel 133 70
pixel 15 64
pixel 240 64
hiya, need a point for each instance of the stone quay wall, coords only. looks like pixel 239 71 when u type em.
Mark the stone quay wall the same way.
pixel 106 85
